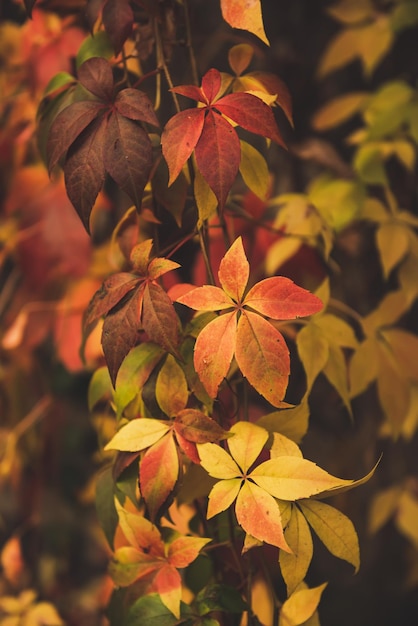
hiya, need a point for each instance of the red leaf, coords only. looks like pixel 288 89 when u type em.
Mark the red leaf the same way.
pixel 188 448
pixel 192 92
pixel 211 84
pixel 158 473
pixel 120 333
pixel 259 515
pixel 96 76
pixel 206 298
pixel 218 155
pixel 67 126
pixel 179 139
pixel 118 20
pixel 197 427
pixel 128 156
pixel 214 350
pixel 167 583
pixel 159 318
pixel 262 356
pixel 279 298
pixel 274 85
pixel 234 271
pixel 84 169
pixel 251 113
pixel 136 105
pixel 110 293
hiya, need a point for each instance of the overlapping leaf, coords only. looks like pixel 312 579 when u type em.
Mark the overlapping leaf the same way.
pixel 101 135
pixel 208 131
pixel 132 302
pixel 260 350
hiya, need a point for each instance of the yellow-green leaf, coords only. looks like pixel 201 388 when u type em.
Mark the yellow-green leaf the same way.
pixel 294 565
pixel 291 422
pixel 171 387
pixel 223 495
pixel 313 350
pixel 292 478
pixel 137 435
pixel 334 529
pixel 375 41
pixel 281 251
pixel 339 110
pixel 300 606
pixel 368 163
pixel 239 57
pixel 254 170
pixel 393 389
pixel 383 507
pixel 342 50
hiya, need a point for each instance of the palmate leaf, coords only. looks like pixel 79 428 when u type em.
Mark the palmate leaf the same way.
pixel 159 318
pixel 138 434
pixel 158 473
pixel 294 565
pixel 179 139
pixel 171 390
pixel 97 77
pixel 234 271
pixel 118 19
pixel 300 606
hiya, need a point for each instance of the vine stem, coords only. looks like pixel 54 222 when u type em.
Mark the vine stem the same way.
pixel 205 254
pixel 193 64
pixel 161 62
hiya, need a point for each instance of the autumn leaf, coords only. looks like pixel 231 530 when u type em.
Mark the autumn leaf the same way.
pixel 300 606
pixel 245 15
pixel 208 131
pixel 260 350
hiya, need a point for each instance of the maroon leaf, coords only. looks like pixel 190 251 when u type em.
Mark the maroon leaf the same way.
pixel 179 139
pixel 110 293
pixel 136 105
pixel 120 333
pixel 197 427
pixel 251 113
pixel 84 169
pixel 67 126
pixel 211 84
pixel 159 318
pixel 92 11
pixel 218 155
pixel 118 19
pixel 128 156
pixel 96 76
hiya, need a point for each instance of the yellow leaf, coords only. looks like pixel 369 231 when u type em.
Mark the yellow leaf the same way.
pixel 383 507
pixel 324 292
pixel 137 435
pixel 294 565
pixel 217 462
pixel 351 11
pixel 246 15
pixel 393 389
pixel 334 529
pixel 262 599
pixel 336 330
pixel 222 495
pixel 407 516
pixel 283 446
pixel 239 57
pixel 339 110
pixel 374 210
pixel 292 478
pixel 206 201
pixel 42 614
pixel 247 443
pixel 338 201
pixel 313 350
pixel 291 422
pixel 300 606
pixel 342 50
pixel 254 170
pixel 337 373
pixel 280 252
pixel 410 425
pixel 404 346
pixel 375 41
pixel 363 367
pixel 171 390
pixel 390 309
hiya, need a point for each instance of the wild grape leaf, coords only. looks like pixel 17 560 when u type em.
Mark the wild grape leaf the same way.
pixel 197 427
pixel 96 76
pixel 118 20
pixel 127 154
pixel 211 135
pixel 67 126
pixel 136 105
pixel 259 348
pixel 294 565
pixel 110 293
pixel 120 333
pixel 171 390
pixel 300 606
pixel 138 434
pixel 245 15
pixel 270 84
pixel 84 169
pixel 158 473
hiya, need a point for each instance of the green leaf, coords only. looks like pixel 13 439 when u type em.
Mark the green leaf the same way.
pixel 59 80
pixel 150 610
pixel 100 386
pixel 97 45
pixel 171 390
pixel 368 163
pixel 300 606
pixel 105 504
pixel 404 15
pixel 334 529
pixel 216 597
pixel 294 565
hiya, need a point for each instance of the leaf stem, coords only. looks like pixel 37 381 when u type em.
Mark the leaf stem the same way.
pixel 205 253
pixel 193 64
pixel 161 63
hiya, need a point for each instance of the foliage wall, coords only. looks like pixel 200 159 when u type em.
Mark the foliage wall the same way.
pixel 208 284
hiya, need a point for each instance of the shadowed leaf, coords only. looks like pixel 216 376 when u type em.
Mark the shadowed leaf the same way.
pixel 136 105
pixel 197 427
pixel 159 318
pixel 96 76
pixel 118 19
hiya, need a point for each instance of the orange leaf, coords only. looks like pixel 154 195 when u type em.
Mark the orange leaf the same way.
pixel 183 550
pixel 279 298
pixel 158 473
pixel 246 15
pixel 222 495
pixel 234 271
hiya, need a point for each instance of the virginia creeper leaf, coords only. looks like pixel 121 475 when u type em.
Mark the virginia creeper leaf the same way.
pixel 158 473
pixel 283 446
pixel 96 76
pixel 136 105
pixel 150 610
pixel 222 495
pixel 292 478
pixel 214 349
pixel 118 19
pixel 218 155
pixel 300 606
pixel 111 292
pixel 334 529
pixel 259 515
pixel 84 169
pixel 184 550
pixel 246 444
pixel 167 583
pixel 313 349
pixel 211 84
pixel 279 298
pixel 246 16
pixel 140 532
pixel 217 462
pixel 67 126
pixel 234 271
pixel 262 356
pixel 160 266
pixel 363 366
pixel 129 564
pixel 254 170
pixel 137 435
pixel 197 427
pixel 294 565
pixel 206 298
pixel 171 390
pixel 127 154
pixel 239 57
pixel 159 318
pixel 179 139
